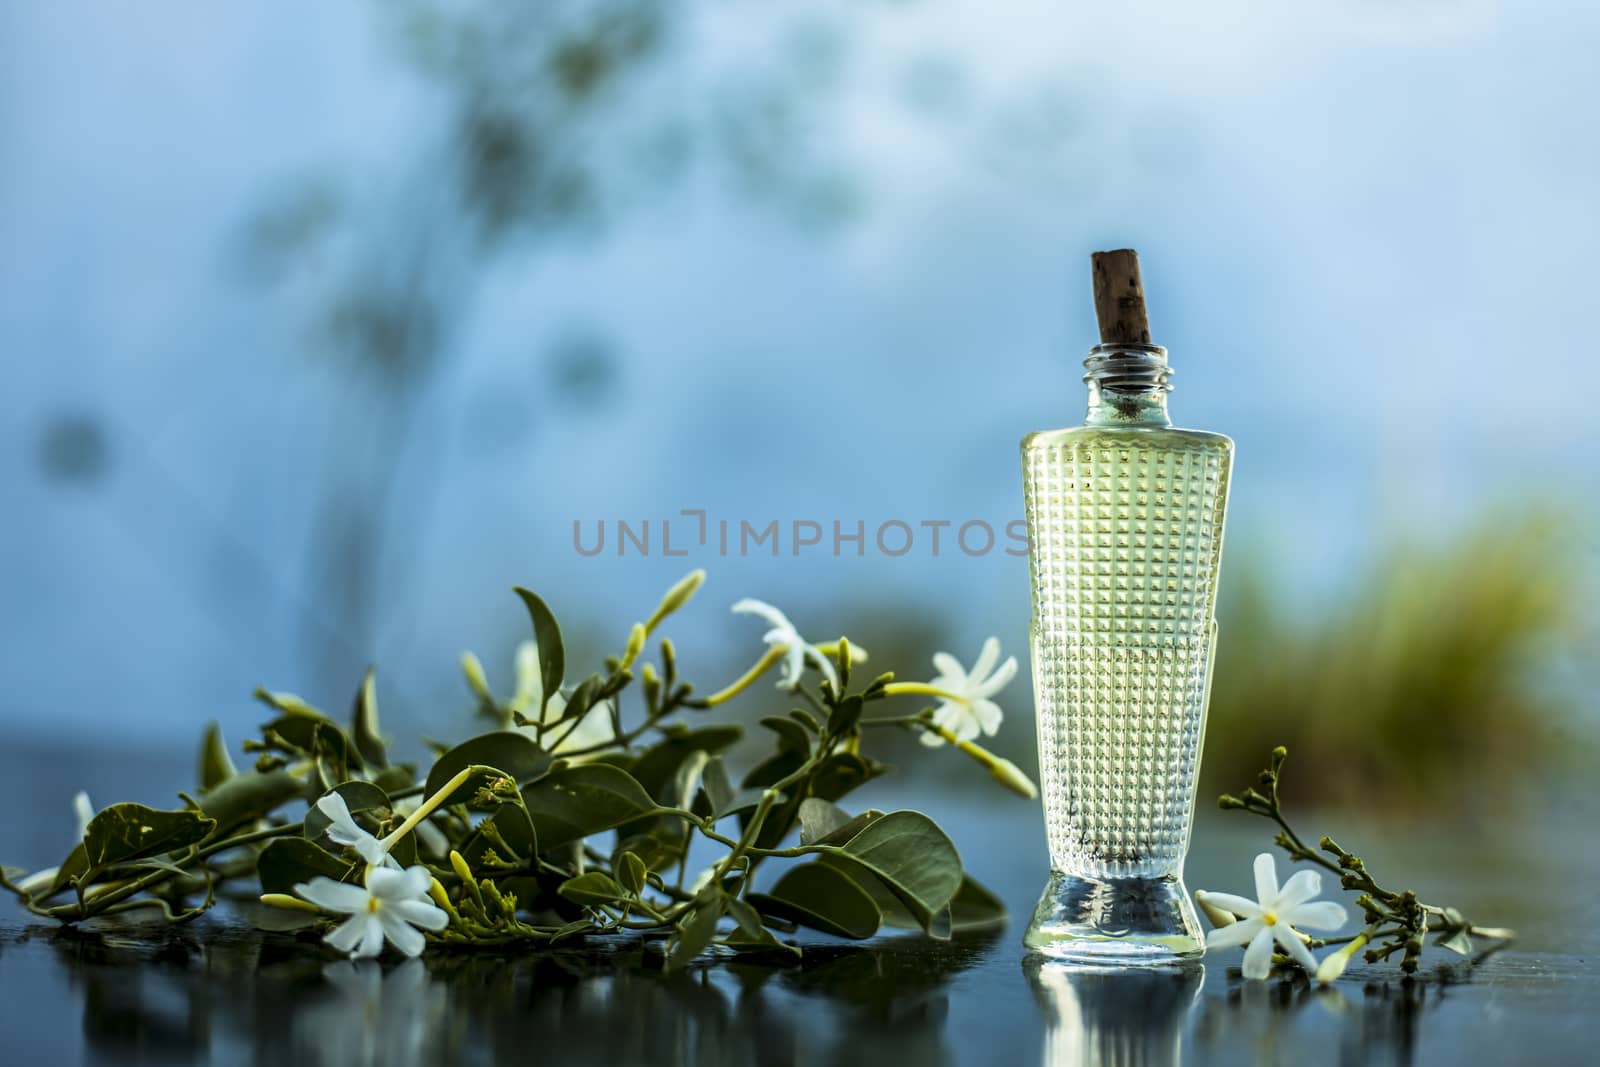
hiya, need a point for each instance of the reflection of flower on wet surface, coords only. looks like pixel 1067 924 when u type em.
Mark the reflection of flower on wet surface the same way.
pixel 1279 1022
pixel 370 1016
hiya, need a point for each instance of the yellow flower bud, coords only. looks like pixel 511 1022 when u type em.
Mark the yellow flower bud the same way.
pixel 288 903
pixel 1214 915
pixel 676 597
pixel 1010 775
pixel 1333 965
pixel 473 669
pixel 636 640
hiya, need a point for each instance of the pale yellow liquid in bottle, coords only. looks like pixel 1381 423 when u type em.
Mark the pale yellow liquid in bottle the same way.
pixel 1125 527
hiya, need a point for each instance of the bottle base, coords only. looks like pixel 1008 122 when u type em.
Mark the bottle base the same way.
pixel 1116 922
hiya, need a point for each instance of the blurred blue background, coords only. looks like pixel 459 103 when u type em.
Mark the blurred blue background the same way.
pixel 323 324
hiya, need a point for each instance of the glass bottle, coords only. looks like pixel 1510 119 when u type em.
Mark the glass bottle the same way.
pixel 1125 518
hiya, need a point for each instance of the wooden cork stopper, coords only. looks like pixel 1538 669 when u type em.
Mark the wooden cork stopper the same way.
pixel 1119 297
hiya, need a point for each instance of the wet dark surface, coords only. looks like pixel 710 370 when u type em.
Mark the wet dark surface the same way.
pixel 218 990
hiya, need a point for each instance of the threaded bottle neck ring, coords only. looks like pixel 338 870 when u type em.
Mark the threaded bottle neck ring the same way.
pixel 1128 369
pixel 1128 384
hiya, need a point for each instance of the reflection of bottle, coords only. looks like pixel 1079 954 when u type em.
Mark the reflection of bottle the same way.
pixel 1125 517
pixel 1113 1017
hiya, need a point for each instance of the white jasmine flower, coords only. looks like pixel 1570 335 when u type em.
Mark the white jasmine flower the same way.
pixel 701 880
pixel 391 905
pixel 530 678
pixel 797 649
pixel 594 728
pixel 39 880
pixel 968 710
pixel 344 830
pixel 84 810
pixel 45 877
pixel 1273 916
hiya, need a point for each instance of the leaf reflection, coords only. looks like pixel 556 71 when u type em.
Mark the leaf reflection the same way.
pixel 222 991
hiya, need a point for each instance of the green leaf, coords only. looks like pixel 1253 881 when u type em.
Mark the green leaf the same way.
pixel 751 936
pixel 695 930
pixel 289 704
pixel 652 849
pixel 822 897
pixel 660 763
pixel 76 865
pixel 791 735
pixel 288 860
pixel 825 823
pixel 249 796
pixel 582 698
pixel 718 789
pixel 313 737
pixel 573 802
pixel 514 755
pixel 806 719
pixel 395 777
pixel 216 766
pixel 720 794
pixel 364 722
pixel 842 772
pixel 747 917
pixel 125 832
pixel 686 782
pixel 632 873
pixel 592 889
pixel 156 863
pixel 845 715
pixel 765 944
pixel 774 768
pixel 895 914
pixel 1455 940
pixel 975 908
pixel 819 818
pixel 552 656
pixel 914 860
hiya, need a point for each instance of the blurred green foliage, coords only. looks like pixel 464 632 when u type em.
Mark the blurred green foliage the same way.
pixel 1432 678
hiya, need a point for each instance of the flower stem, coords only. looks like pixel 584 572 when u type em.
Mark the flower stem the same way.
pixel 101 901
pixel 426 808
pixel 773 656
pixel 895 689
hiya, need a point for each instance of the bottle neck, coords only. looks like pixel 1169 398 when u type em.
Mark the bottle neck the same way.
pixel 1128 385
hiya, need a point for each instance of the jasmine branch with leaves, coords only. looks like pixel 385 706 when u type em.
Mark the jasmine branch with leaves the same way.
pixel 562 820
pixel 1396 922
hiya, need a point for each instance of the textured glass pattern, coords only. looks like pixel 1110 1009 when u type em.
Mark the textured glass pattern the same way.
pixel 1125 529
